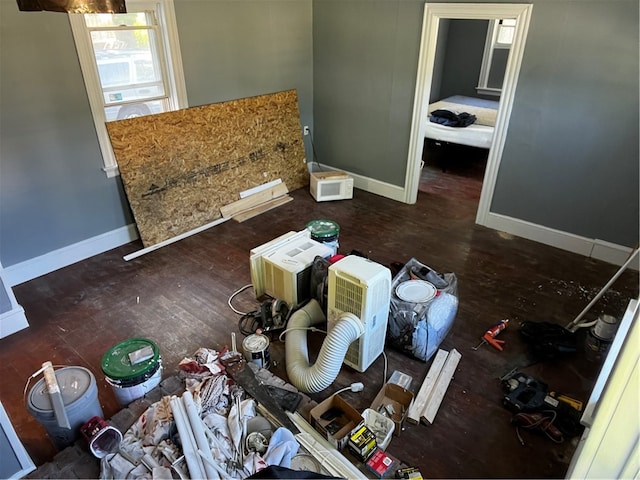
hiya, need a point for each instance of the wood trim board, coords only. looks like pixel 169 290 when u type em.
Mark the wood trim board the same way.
pixel 427 402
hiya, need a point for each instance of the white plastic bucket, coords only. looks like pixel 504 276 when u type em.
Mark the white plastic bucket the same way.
pixel 132 368
pixel 381 426
pixel 125 394
pixel 80 397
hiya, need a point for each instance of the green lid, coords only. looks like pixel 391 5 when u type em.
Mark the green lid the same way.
pixel 116 363
pixel 323 228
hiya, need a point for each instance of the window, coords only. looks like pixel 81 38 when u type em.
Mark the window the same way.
pixel 496 53
pixel 131 65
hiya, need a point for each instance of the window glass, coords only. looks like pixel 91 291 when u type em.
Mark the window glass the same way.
pixel 131 65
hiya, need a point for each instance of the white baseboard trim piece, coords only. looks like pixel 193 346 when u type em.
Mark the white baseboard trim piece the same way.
pixel 588 247
pixel 12 321
pixel 171 240
pixel 377 187
pixel 49 262
pixel 613 253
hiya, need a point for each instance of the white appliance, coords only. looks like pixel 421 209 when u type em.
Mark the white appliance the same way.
pixel 256 262
pixel 363 288
pixel 334 185
pixel 287 270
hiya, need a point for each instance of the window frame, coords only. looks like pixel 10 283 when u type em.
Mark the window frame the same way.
pixel 171 57
pixel 491 44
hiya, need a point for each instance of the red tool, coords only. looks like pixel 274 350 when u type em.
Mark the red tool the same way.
pixel 491 334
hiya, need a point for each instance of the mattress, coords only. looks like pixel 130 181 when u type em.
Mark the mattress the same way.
pixel 479 134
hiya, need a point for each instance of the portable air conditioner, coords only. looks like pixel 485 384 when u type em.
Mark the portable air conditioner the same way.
pixel 326 186
pixel 361 287
pixel 256 260
pixel 287 270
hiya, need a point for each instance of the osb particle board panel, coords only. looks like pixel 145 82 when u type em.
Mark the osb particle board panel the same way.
pixel 179 168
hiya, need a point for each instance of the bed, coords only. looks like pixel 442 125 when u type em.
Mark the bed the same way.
pixel 479 134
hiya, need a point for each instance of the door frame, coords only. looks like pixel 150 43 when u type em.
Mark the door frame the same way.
pixel 433 13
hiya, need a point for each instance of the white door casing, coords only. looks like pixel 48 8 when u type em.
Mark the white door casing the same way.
pixel 433 13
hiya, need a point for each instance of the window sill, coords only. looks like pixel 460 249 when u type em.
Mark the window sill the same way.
pixel 495 92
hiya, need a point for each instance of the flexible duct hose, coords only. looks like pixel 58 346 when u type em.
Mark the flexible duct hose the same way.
pixel 315 378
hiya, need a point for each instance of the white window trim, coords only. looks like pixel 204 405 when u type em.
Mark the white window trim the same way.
pixel 178 90
pixel 490 45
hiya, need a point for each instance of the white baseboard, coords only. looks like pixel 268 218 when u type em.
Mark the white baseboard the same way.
pixel 12 321
pixel 593 248
pixel 49 262
pixel 370 185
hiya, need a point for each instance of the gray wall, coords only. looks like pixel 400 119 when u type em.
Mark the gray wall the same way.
pixel 571 155
pixel 570 162
pixel 365 56
pixel 463 57
pixel 52 192
pixel 239 48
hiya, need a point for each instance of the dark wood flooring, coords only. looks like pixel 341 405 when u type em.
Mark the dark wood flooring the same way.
pixel 178 295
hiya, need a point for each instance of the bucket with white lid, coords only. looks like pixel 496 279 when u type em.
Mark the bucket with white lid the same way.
pixel 79 393
pixel 132 368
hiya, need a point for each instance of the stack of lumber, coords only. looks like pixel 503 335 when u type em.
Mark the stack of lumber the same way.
pixel 257 203
pixel 429 397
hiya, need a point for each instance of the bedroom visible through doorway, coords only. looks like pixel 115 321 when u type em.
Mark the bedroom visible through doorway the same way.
pixel 437 17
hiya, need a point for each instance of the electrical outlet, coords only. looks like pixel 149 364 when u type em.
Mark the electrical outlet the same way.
pixel 305 130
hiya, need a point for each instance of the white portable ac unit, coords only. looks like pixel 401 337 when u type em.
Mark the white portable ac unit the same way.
pixel 287 270
pixel 256 261
pixel 363 288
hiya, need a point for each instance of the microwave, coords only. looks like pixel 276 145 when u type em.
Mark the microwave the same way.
pixel 333 185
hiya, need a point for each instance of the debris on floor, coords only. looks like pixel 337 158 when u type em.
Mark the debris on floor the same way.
pixel 212 431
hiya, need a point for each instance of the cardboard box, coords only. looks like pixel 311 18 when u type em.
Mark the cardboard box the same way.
pixel 334 418
pixel 396 401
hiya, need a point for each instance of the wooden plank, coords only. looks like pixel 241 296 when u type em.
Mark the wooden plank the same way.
pixel 413 415
pixel 254 200
pixel 331 174
pixel 179 168
pixel 257 210
pixel 260 188
pixel 429 413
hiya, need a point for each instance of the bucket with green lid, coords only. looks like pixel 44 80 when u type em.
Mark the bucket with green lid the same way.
pixel 132 368
pixel 325 231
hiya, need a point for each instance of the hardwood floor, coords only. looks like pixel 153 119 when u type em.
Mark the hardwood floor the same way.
pixel 178 295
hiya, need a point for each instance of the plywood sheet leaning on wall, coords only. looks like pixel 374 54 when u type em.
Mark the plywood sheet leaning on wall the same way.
pixel 179 168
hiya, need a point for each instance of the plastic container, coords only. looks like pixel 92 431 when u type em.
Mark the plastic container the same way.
pixel 102 438
pixel 130 380
pixel 80 397
pixel 381 426
pixel 325 231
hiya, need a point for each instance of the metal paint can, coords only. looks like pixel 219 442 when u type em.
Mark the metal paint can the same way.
pixel 256 349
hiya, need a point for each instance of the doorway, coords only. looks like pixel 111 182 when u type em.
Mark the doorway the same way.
pixel 433 14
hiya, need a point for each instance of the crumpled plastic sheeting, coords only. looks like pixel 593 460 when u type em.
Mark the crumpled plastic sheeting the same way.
pixel 148 452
